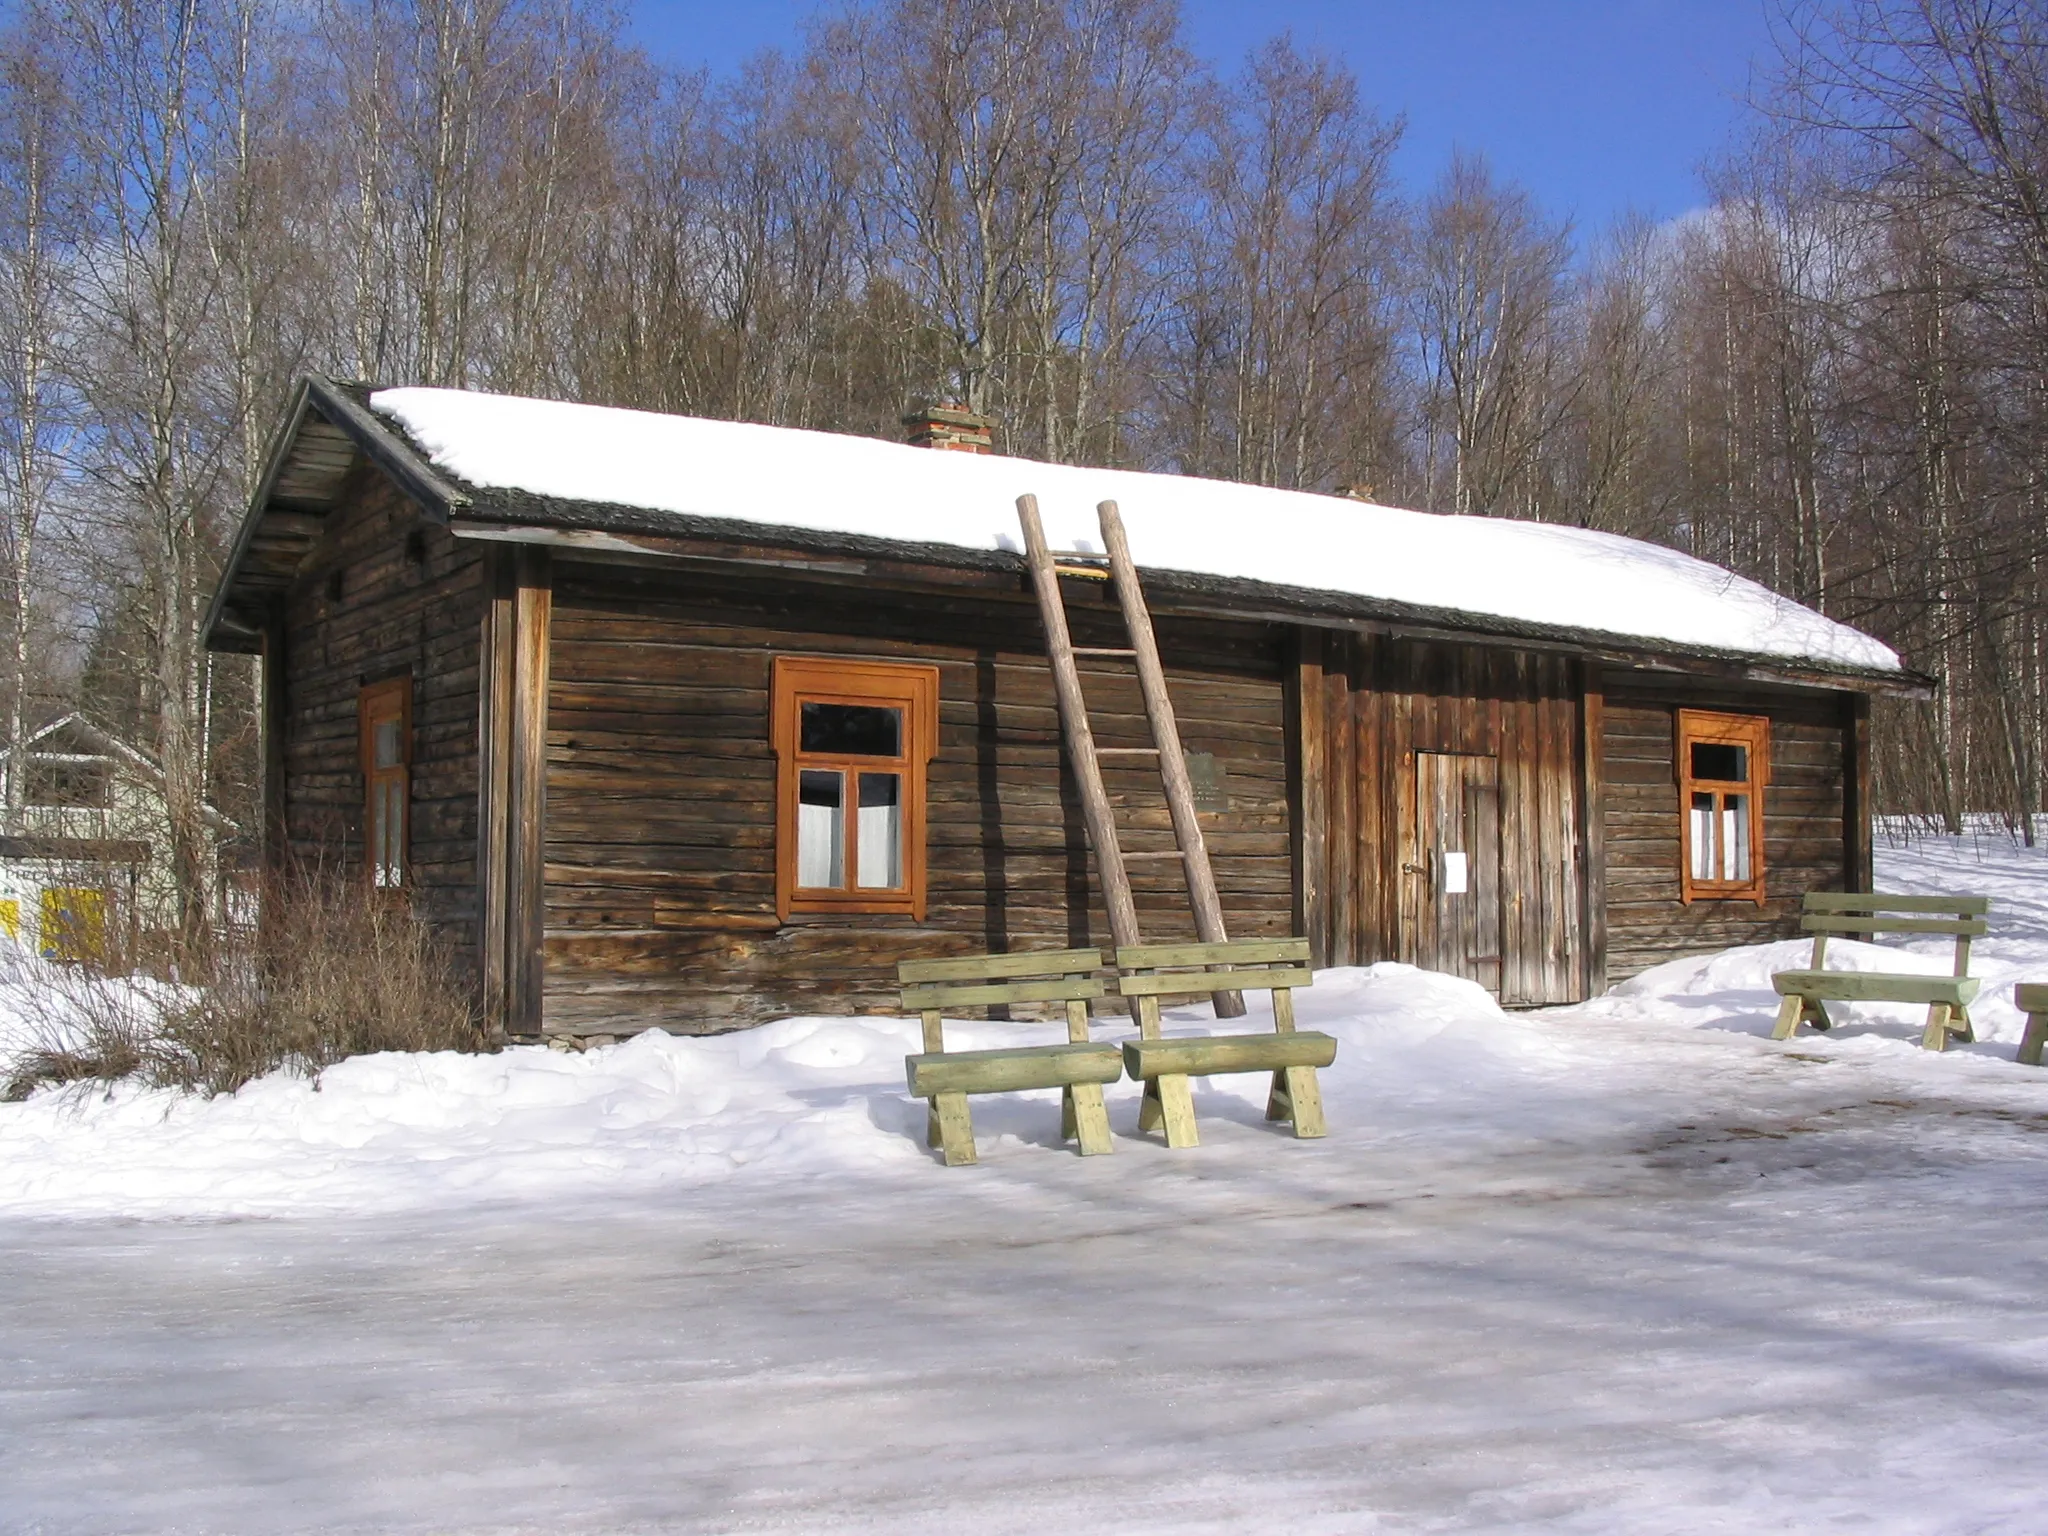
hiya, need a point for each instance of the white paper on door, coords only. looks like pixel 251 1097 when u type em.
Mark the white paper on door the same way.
pixel 1454 873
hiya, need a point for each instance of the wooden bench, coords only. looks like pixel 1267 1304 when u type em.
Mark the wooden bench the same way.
pixel 1831 914
pixel 1147 972
pixel 1078 1068
pixel 2032 1000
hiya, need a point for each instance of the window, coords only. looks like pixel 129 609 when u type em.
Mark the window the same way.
pixel 384 717
pixel 68 782
pixel 851 742
pixel 1723 761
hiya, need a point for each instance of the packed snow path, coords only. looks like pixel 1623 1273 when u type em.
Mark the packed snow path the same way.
pixel 1623 1268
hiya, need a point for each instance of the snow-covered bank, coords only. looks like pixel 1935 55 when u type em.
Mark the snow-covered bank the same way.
pixel 799 1099
pixel 1425 1058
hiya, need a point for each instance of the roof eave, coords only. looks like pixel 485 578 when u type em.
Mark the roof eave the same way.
pixel 409 469
pixel 526 518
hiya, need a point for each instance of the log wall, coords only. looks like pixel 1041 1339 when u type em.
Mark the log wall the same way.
pixel 1811 834
pixel 660 792
pixel 1366 706
pixel 383 595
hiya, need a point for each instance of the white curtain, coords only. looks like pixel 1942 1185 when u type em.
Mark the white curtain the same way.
pixel 881 832
pixel 821 832
pixel 1703 837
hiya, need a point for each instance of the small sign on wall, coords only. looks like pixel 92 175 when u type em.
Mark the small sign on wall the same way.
pixel 1454 873
pixel 1206 776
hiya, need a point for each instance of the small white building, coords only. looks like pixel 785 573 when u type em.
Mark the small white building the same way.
pixel 85 868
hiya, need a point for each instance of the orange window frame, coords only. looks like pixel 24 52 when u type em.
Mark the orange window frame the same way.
pixel 909 688
pixel 387 787
pixel 1751 733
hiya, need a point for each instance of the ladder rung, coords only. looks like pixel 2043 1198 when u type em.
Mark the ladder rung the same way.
pixel 1078 554
pixel 1171 853
pixel 1103 650
pixel 1126 751
pixel 1084 572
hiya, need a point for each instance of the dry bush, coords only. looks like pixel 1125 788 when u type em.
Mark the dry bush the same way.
pixel 332 973
pixel 80 1024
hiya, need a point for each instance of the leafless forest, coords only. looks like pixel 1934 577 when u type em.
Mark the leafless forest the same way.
pixel 1832 377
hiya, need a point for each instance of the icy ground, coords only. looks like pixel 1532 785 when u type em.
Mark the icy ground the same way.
pixel 1627 1267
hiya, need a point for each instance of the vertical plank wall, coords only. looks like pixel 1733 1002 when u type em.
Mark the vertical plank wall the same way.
pixel 661 781
pixel 1365 706
pixel 385 595
pixel 1812 831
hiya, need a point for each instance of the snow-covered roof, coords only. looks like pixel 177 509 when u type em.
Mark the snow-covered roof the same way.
pixel 1464 569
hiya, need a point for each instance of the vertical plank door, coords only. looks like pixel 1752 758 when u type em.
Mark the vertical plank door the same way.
pixel 1457 847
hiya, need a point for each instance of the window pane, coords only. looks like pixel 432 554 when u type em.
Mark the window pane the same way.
pixel 1735 836
pixel 387 832
pixel 1720 760
pixel 851 730
pixel 821 829
pixel 881 832
pixel 1703 837
pixel 385 735
pixel 394 828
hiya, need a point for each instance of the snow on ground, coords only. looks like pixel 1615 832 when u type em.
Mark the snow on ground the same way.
pixel 1624 1267
pixel 1573 578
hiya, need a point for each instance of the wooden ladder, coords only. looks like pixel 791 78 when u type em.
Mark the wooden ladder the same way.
pixel 1190 849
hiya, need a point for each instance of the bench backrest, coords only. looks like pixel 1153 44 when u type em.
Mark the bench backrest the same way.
pixel 1147 972
pixel 1853 914
pixel 931 988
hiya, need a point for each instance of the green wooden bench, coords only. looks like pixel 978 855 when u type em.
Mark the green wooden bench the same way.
pixel 2032 999
pixel 1147 972
pixel 1079 1068
pixel 1832 914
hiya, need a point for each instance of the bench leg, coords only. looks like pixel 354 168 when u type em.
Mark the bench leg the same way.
pixel 1084 1117
pixel 1790 1011
pixel 1962 1028
pixel 2032 1041
pixel 1170 1103
pixel 956 1130
pixel 1278 1105
pixel 1149 1112
pixel 1935 1036
pixel 1299 1090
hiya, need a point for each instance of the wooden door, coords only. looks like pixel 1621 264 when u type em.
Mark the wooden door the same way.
pixel 1454 874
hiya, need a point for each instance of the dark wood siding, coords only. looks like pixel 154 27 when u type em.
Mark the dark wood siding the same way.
pixel 660 794
pixel 386 595
pixel 1806 837
pixel 1367 705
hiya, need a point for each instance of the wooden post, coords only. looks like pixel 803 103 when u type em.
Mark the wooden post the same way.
pixel 1311 793
pixel 1066 681
pixel 496 669
pixel 526 809
pixel 1173 763
pixel 1857 854
pixel 1593 825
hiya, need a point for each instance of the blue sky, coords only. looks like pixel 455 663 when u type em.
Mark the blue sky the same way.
pixel 1597 106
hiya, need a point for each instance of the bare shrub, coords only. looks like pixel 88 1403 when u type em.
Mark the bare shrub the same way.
pixel 79 1024
pixel 332 972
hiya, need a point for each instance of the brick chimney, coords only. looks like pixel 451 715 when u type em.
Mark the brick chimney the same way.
pixel 948 426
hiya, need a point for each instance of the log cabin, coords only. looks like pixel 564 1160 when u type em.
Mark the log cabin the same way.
pixel 692 724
